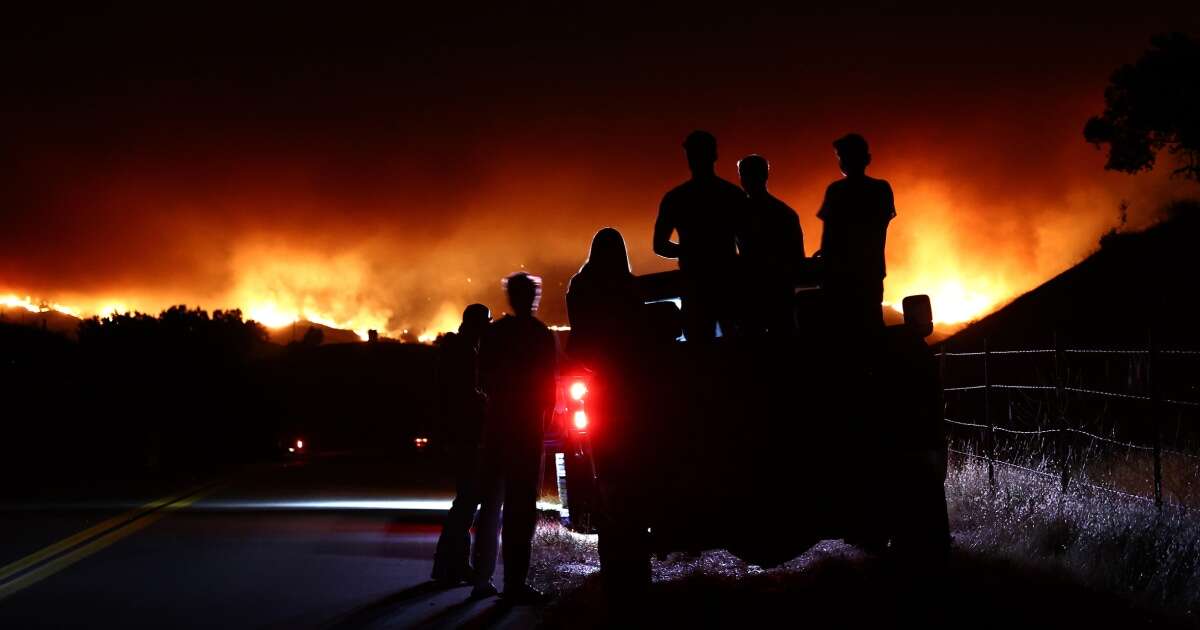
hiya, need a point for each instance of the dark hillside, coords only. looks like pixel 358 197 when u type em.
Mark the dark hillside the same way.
pixel 1134 283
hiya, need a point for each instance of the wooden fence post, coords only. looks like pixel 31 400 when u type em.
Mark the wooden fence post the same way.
pixel 1060 415
pixel 990 440
pixel 1155 421
pixel 942 380
pixel 942 365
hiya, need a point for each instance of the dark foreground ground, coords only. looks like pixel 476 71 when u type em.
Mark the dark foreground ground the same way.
pixel 835 586
pixel 347 542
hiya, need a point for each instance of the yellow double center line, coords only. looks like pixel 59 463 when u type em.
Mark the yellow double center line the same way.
pixel 46 562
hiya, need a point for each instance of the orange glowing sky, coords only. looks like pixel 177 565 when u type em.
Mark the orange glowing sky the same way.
pixel 384 171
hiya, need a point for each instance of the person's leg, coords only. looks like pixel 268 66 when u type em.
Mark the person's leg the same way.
pixel 870 307
pixel 451 560
pixel 487 527
pixel 722 302
pixel 781 312
pixel 699 321
pixel 623 543
pixel 520 518
pixel 854 314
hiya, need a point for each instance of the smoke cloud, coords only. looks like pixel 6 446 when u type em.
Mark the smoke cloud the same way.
pixel 383 174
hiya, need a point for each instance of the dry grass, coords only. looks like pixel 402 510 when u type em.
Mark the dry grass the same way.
pixel 1024 547
pixel 1101 539
pixel 561 559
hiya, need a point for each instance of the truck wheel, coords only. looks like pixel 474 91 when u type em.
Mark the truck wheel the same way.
pixel 580 494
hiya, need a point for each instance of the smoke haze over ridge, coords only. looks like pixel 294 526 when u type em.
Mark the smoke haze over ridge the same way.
pixel 383 171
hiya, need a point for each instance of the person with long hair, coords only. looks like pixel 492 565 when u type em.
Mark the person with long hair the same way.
pixel 609 337
pixel 602 302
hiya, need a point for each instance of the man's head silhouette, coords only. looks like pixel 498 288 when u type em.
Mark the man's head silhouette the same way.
pixel 524 290
pixel 753 170
pixel 701 149
pixel 853 154
pixel 474 319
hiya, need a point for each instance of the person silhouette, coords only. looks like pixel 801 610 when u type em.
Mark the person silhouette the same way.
pixel 771 245
pixel 461 409
pixel 602 303
pixel 703 211
pixel 517 372
pixel 609 336
pixel 855 213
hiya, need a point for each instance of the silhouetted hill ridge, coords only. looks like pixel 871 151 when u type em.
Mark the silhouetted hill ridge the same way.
pixel 52 321
pixel 1134 283
pixel 284 335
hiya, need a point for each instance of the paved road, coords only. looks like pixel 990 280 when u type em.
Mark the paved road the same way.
pixel 334 542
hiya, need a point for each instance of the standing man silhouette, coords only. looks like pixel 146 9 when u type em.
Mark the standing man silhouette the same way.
pixel 461 409
pixel 516 369
pixel 856 212
pixel 771 245
pixel 704 212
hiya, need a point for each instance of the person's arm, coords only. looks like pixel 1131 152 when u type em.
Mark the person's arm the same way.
pixel 798 237
pixel 741 221
pixel 793 256
pixel 889 202
pixel 663 227
pixel 792 235
pixel 823 214
pixel 486 362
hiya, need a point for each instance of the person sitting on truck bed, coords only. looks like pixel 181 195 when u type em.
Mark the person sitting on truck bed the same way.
pixel 856 212
pixel 704 212
pixel 517 372
pixel 771 245
pixel 461 408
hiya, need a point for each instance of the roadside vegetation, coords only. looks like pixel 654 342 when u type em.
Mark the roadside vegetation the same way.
pixel 1025 552
pixel 1105 540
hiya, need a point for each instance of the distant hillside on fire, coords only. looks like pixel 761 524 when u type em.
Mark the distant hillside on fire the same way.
pixel 51 321
pixel 284 335
pixel 67 325
pixel 1136 282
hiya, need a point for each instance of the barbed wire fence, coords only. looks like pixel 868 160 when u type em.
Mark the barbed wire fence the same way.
pixel 1061 392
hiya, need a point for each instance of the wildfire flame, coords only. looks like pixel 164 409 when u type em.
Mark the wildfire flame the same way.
pixel 27 303
pixel 281 292
pixel 935 253
pixel 266 311
pixel 279 286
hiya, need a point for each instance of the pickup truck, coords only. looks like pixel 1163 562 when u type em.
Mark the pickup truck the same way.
pixel 761 446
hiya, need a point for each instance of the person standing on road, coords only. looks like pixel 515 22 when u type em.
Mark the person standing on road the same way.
pixel 771 245
pixel 609 336
pixel 461 409
pixel 517 359
pixel 704 212
pixel 856 212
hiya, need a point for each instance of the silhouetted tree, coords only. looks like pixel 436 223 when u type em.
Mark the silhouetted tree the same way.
pixel 1151 105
